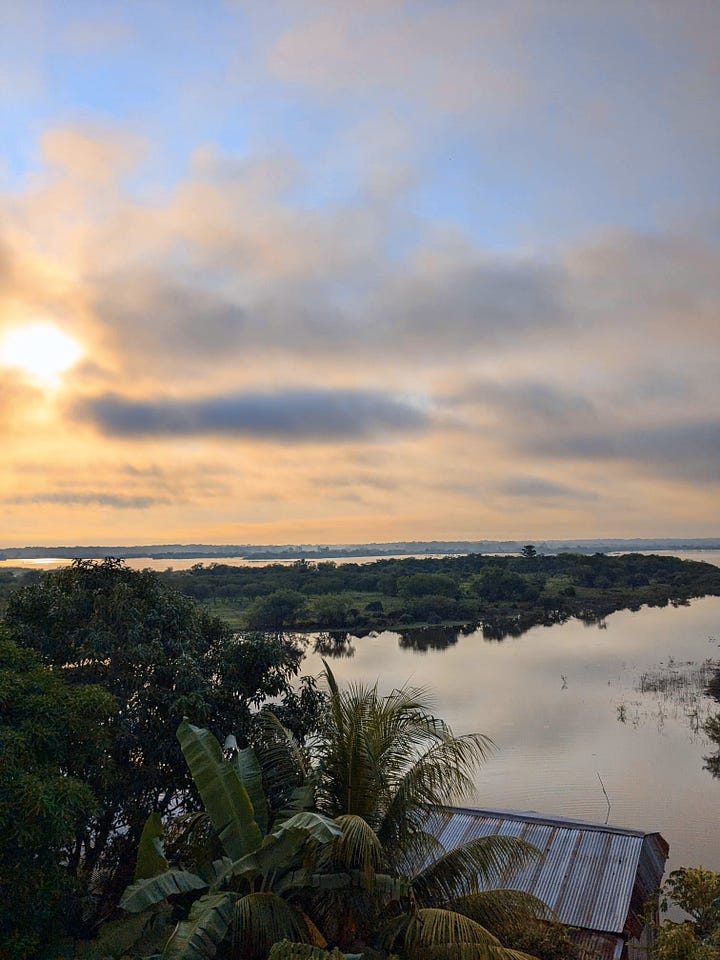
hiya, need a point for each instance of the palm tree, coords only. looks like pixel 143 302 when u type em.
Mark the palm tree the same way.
pixel 383 763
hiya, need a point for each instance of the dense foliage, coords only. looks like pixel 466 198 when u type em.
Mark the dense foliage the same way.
pixel 329 844
pixel 54 736
pixel 163 658
pixel 697 892
pixel 506 592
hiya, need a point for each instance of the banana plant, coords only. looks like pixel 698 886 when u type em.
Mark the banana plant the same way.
pixel 241 896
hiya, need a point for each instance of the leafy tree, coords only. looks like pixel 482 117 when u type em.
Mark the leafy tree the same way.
pixel 496 583
pixel 53 738
pixel 528 552
pixel 276 611
pixel 164 658
pixel 331 611
pixel 427 584
pixel 697 892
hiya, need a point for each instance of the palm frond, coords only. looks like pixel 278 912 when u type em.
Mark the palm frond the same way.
pixel 261 919
pixel 357 846
pixel 191 838
pixel 286 768
pixel 286 950
pixel 432 934
pixel 442 775
pixel 419 848
pixel 484 861
pixel 502 911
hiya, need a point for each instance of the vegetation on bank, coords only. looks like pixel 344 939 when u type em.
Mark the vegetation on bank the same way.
pixel 507 594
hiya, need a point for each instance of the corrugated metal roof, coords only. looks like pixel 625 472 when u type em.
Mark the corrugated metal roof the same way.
pixel 593 876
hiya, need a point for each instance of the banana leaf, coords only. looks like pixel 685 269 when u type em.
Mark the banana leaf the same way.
pixel 198 937
pixel 151 857
pixel 247 767
pixel 226 799
pixel 143 894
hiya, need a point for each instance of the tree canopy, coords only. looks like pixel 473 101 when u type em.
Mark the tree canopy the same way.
pixel 163 658
pixel 54 737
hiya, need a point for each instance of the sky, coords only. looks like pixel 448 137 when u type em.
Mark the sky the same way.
pixel 306 271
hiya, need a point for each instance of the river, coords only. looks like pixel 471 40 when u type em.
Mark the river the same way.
pixel 566 707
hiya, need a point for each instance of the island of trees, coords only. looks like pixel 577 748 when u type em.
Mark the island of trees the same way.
pixel 504 595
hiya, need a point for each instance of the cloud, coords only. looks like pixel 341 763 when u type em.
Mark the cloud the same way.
pixel 436 307
pixel 81 499
pixel 404 52
pixel 93 154
pixel 688 450
pixel 542 489
pixel 526 403
pixel 311 414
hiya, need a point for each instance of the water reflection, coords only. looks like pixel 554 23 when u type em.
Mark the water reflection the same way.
pixel 712 726
pixel 422 639
pixel 565 703
pixel 334 645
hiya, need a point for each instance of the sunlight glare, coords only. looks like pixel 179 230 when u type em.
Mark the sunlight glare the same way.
pixel 41 350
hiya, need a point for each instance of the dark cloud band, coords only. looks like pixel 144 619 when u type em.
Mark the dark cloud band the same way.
pixel 116 501
pixel 290 414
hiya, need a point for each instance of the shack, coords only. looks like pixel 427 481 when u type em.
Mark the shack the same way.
pixel 601 881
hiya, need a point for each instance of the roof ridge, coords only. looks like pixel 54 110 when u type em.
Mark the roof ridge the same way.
pixel 550 819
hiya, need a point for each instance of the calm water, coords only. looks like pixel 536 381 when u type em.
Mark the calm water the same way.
pixel 564 704
pixel 152 563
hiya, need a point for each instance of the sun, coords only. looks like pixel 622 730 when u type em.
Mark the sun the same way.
pixel 41 350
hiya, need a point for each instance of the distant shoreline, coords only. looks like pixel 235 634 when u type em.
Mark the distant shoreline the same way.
pixel 271 552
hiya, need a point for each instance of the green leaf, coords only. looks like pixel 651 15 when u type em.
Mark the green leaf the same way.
pixel 143 894
pixel 281 849
pixel 313 825
pixel 139 934
pixel 226 799
pixel 151 857
pixel 249 770
pixel 198 937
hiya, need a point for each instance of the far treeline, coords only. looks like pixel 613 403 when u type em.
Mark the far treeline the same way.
pixel 504 594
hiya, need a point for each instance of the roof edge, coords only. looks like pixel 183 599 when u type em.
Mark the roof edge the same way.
pixel 552 820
